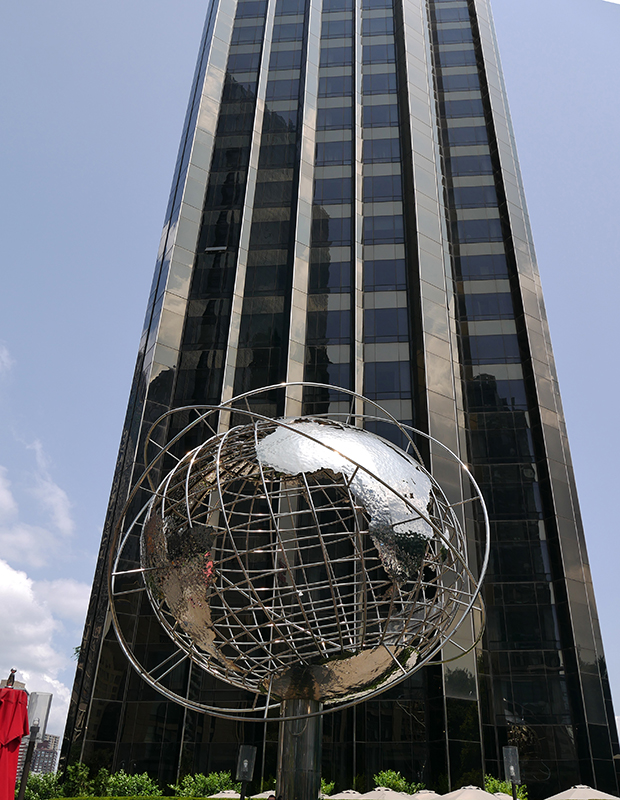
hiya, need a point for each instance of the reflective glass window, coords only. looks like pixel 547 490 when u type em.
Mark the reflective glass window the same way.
pixel 454 35
pixel 457 58
pixel 460 83
pixel 335 86
pixel 378 230
pixel 252 8
pixel 386 325
pixel 467 135
pixel 282 90
pixel 479 230
pixel 374 26
pixel 452 14
pixel 330 326
pixel 385 275
pixel 336 56
pixel 288 32
pixel 330 276
pixel 333 153
pixel 379 54
pixel 337 5
pixel 332 190
pixel 381 150
pixel 471 165
pixel 462 108
pixel 332 230
pixel 243 62
pixel 290 7
pixel 380 116
pixel 336 28
pixel 334 118
pixel 385 83
pixel 387 379
pixel 487 306
pixel 382 187
pixel 483 266
pixel 253 33
pixel 285 59
pixel 474 196
pixel 492 349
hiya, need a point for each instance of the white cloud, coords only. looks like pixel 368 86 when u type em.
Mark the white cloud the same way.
pixel 8 506
pixel 617 2
pixel 38 540
pixel 67 598
pixel 50 495
pixel 28 544
pixel 6 362
pixel 27 629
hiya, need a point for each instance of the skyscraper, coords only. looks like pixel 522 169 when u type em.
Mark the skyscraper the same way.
pixel 347 208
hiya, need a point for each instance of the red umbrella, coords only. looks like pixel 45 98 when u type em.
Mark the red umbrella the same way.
pixel 13 725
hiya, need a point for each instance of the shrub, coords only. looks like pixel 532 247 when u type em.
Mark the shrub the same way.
pixel 41 786
pixel 493 785
pixel 205 785
pixel 327 787
pixel 100 783
pixel 119 784
pixel 76 782
pixel 391 779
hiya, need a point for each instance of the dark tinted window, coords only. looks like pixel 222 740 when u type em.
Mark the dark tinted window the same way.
pixel 474 196
pixel 380 84
pixel 333 153
pixel 381 150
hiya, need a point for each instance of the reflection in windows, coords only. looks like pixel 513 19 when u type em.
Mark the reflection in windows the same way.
pixel 386 325
pixel 376 151
pixel 378 230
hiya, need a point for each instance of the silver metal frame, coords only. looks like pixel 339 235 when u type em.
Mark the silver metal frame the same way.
pixel 126 575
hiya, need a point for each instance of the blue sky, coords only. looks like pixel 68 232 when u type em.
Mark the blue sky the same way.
pixel 94 99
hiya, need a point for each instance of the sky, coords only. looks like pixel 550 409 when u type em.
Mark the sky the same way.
pixel 94 97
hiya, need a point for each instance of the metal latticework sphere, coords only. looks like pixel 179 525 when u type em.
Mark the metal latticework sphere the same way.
pixel 303 558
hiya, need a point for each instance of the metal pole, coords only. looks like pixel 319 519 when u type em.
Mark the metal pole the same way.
pixel 299 751
pixel 514 790
pixel 34 730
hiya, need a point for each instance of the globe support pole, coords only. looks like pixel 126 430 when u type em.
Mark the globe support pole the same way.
pixel 299 751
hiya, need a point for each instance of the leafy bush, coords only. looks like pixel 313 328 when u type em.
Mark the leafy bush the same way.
pixel 77 781
pixel 41 786
pixel 119 784
pixel 140 797
pixel 327 787
pixel 493 785
pixel 391 779
pixel 100 784
pixel 200 785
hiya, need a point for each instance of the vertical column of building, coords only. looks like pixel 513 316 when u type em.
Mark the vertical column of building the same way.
pixel 386 321
pixel 221 257
pixel 453 712
pixel 575 596
pixel 329 327
pixel 499 347
pixel 491 357
pixel 303 216
pixel 213 325
pixel 265 318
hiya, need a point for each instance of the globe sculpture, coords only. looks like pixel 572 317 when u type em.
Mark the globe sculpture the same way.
pixel 306 560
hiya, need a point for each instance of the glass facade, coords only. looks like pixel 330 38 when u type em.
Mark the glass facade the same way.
pixel 347 209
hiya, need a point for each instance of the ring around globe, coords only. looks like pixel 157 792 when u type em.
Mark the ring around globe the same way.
pixel 301 558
